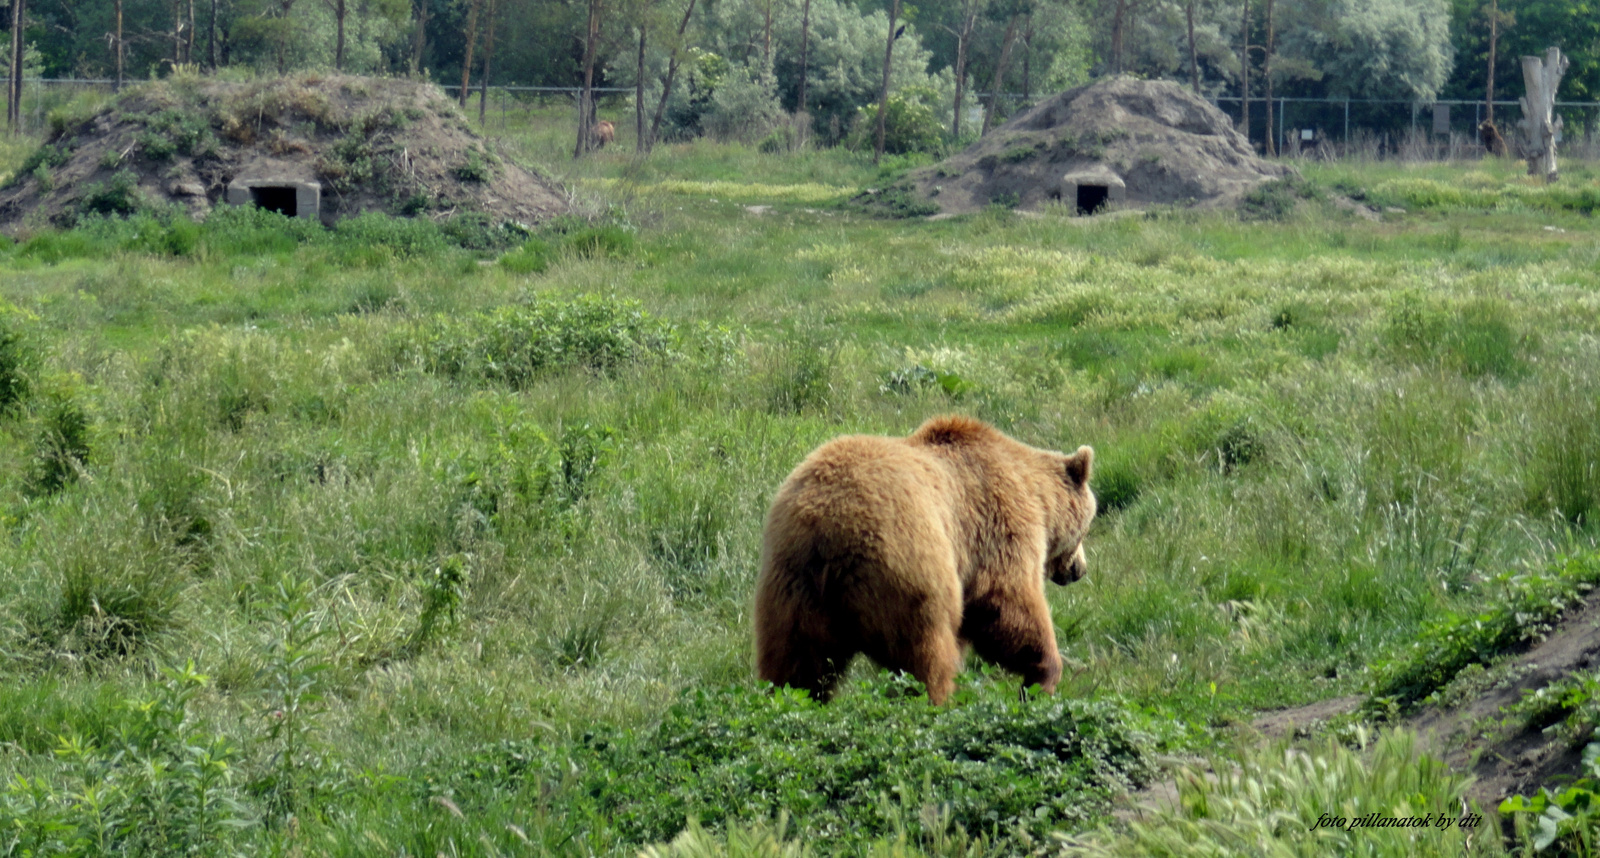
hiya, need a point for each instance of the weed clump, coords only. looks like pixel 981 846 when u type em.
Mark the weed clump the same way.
pixel 18 358
pixel 160 786
pixel 62 446
pixel 516 344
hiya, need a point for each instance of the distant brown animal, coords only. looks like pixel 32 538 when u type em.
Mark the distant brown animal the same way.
pixel 604 132
pixel 1492 141
pixel 911 549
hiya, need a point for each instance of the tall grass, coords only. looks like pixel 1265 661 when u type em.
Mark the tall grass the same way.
pixel 464 504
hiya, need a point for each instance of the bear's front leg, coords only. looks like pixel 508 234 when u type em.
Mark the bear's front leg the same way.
pixel 1013 630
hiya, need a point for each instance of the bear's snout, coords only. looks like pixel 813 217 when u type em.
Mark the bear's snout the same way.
pixel 1068 567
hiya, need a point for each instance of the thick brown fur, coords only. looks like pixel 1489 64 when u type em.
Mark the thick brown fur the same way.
pixel 604 132
pixel 912 549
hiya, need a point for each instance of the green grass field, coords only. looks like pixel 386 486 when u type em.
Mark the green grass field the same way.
pixel 463 549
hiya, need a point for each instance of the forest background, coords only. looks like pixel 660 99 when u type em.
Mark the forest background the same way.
pixel 736 66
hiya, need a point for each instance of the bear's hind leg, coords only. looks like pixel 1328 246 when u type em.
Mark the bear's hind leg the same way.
pixel 791 652
pixel 1015 631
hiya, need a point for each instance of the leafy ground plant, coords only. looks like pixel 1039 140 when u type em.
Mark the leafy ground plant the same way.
pixel 1282 802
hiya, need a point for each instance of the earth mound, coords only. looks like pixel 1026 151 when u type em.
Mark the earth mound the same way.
pixel 326 146
pixel 1118 141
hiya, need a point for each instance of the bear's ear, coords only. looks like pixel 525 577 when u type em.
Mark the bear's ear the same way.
pixel 1078 466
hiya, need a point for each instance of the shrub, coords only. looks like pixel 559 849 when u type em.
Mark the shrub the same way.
pixel 597 241
pixel 61 447
pixel 119 196
pixel 477 168
pixel 909 124
pixel 744 106
pixel 478 231
pixel 402 237
pixel 533 257
pixel 516 344
pixel 18 358
pixel 1274 200
pixel 161 786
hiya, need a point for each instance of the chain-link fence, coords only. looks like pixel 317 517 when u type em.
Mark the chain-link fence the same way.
pixel 1409 130
pixel 1301 127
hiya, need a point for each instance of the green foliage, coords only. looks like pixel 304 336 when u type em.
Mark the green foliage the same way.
pixel 899 200
pixel 1565 821
pixel 373 236
pixel 601 240
pixel 61 447
pixel 293 704
pixel 517 343
pixel 533 257
pixel 1477 340
pixel 1275 200
pixel 19 357
pixel 1564 472
pixel 478 167
pixel 849 772
pixel 161 786
pixel 46 158
pixel 1522 607
pixel 119 196
pixel 478 231
pixel 1273 801
pixel 910 125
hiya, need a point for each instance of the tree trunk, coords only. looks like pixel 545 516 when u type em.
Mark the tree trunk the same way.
pixel 883 91
pixel 285 7
pixel 1539 124
pixel 1194 58
pixel 1027 56
pixel 805 48
pixel 672 73
pixel 419 37
pixel 1494 39
pixel 1244 73
pixel 472 41
pixel 963 40
pixel 488 62
pixel 177 33
pixel 1118 21
pixel 591 45
pixel 766 35
pixel 338 44
pixel 1266 76
pixel 14 88
pixel 999 75
pixel 119 45
pixel 638 95
pixel 211 38
pixel 188 39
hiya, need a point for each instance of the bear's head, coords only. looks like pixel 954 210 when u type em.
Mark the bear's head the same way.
pixel 1073 507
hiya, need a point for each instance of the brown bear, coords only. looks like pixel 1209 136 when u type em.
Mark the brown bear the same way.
pixel 604 132
pixel 910 549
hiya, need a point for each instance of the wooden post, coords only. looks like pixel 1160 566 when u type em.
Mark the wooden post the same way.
pixel 1539 124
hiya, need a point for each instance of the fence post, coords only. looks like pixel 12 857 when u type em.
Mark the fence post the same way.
pixel 1280 125
pixel 1347 122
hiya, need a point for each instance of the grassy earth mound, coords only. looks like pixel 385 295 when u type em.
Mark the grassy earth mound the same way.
pixel 1167 145
pixel 389 145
